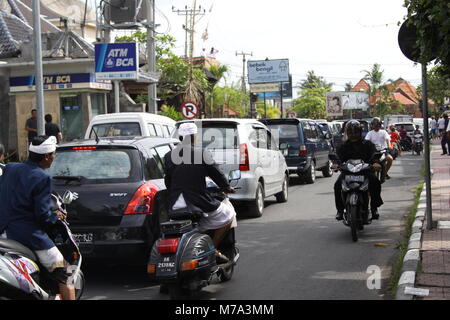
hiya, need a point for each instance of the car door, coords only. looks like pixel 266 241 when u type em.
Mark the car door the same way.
pixel 310 138
pixel 323 148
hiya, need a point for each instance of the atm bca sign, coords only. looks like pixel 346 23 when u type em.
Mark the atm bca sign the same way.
pixel 116 61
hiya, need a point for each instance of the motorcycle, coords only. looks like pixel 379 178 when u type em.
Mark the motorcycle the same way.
pixel 418 144
pixel 183 260
pixel 394 151
pixel 381 175
pixel 406 144
pixel 23 277
pixel 355 186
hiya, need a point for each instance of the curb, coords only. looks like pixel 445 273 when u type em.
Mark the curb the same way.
pixel 412 256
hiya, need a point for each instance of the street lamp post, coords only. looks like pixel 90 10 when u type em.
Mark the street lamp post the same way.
pixel 39 89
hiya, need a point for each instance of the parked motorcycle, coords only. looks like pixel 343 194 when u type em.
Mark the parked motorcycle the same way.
pixel 23 277
pixel 418 144
pixel 183 260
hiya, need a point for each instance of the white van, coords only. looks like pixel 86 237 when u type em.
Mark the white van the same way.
pixel 130 124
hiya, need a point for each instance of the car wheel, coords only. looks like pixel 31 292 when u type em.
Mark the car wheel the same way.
pixel 257 205
pixel 310 176
pixel 327 171
pixel 283 195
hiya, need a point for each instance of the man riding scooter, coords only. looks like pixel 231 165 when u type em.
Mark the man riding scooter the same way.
pixel 379 137
pixel 358 148
pixel 25 210
pixel 186 169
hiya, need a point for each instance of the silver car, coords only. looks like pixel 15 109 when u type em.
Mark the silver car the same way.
pixel 249 146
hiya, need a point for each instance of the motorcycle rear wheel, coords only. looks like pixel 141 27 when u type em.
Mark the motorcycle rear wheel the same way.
pixel 227 273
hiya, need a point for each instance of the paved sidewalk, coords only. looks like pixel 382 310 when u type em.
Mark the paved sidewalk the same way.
pixel 434 273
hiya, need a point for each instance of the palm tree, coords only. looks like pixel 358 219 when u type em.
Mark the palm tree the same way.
pixel 218 72
pixel 375 78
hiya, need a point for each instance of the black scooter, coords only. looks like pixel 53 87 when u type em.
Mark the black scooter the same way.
pixel 183 260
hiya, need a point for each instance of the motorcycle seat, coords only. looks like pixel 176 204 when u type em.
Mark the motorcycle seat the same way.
pixel 12 246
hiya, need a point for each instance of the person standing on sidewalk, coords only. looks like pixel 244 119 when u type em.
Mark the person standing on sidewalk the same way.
pixel 52 129
pixel 31 126
pixel 445 141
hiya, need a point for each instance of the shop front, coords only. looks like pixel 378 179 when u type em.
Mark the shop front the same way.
pixel 71 98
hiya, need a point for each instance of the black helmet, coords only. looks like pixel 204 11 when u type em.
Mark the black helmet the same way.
pixel 375 122
pixel 353 126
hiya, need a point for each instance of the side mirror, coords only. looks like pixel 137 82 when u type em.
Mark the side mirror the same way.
pixel 234 175
pixel 69 196
pixel 284 148
pixel 327 135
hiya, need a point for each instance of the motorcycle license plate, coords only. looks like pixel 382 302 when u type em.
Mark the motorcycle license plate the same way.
pixel 354 178
pixel 166 265
pixel 83 238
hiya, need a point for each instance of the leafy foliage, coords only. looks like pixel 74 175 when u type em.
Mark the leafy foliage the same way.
pixel 432 20
pixel 314 81
pixel 311 103
pixel 438 85
pixel 171 112
pixel 271 111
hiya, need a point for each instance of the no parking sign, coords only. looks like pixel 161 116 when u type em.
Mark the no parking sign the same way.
pixel 189 110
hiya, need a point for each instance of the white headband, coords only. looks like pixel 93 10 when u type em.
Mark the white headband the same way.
pixel 187 129
pixel 48 146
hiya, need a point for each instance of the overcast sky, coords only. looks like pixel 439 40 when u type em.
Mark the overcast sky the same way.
pixel 336 39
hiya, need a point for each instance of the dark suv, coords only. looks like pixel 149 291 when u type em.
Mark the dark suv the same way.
pixel 116 181
pixel 308 148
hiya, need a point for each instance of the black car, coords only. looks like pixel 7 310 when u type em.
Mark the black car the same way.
pixel 308 148
pixel 116 180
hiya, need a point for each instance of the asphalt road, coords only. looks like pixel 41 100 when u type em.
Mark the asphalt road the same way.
pixel 297 250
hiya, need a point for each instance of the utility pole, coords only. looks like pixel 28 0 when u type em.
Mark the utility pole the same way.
pixel 243 54
pixel 151 55
pixel 39 88
pixel 190 14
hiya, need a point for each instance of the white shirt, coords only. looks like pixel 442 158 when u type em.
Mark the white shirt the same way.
pixel 379 138
pixel 433 124
pixel 448 127
pixel 441 123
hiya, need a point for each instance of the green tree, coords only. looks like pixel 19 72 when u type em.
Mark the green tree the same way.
pixel 271 111
pixel 233 98
pixel 348 86
pixel 218 72
pixel 438 86
pixel 311 103
pixel 374 77
pixel 314 81
pixel 171 112
pixel 432 20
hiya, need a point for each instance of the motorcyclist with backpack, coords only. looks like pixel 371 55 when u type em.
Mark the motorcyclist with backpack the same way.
pixel 355 147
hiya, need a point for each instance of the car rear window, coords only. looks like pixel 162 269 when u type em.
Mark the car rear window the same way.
pixel 286 131
pixel 116 129
pixel 408 127
pixel 219 136
pixel 98 165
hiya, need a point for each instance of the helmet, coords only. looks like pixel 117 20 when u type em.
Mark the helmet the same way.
pixel 376 122
pixel 353 126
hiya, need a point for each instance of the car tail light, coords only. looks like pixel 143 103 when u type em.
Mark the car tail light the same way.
pixel 245 161
pixel 303 152
pixel 165 246
pixel 84 148
pixel 143 200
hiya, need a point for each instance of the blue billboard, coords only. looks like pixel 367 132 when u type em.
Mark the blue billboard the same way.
pixel 116 61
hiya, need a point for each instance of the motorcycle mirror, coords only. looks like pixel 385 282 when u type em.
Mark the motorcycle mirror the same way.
pixel 69 196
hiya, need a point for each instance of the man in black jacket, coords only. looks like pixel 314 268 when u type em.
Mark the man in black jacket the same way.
pixel 358 148
pixel 186 169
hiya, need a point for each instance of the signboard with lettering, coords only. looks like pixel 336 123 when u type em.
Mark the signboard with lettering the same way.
pixel 59 82
pixel 116 61
pixel 266 71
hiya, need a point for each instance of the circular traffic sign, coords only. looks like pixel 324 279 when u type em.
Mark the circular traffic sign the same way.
pixel 189 110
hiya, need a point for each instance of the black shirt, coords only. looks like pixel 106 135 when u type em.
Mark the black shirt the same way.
pixel 32 123
pixel 363 149
pixel 190 178
pixel 52 129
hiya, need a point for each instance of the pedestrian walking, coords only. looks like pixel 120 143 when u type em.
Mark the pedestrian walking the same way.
pixel 445 141
pixel 31 126
pixel 433 126
pixel 52 129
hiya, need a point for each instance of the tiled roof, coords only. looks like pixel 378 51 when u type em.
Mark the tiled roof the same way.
pixel 12 32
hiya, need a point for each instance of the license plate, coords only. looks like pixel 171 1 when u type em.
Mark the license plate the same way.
pixel 354 178
pixel 166 265
pixel 82 238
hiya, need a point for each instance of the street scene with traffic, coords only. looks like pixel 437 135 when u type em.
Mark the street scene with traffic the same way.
pixel 135 164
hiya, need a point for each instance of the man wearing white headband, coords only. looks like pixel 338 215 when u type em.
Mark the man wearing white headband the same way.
pixel 25 209
pixel 186 169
